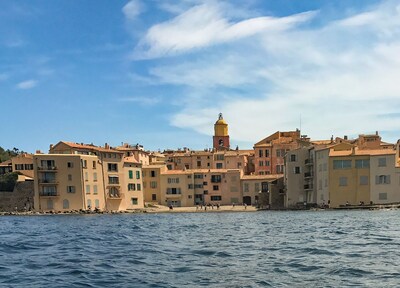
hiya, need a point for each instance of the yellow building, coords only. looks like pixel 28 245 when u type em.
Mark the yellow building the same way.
pixel 81 176
pixel 152 183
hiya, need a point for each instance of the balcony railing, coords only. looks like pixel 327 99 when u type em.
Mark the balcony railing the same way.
pixel 308 187
pixel 114 181
pixel 48 181
pixel 48 194
pixel 115 195
pixel 47 168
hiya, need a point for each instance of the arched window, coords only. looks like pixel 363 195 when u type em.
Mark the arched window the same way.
pixel 65 204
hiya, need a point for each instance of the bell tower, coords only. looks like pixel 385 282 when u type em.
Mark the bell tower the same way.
pixel 221 136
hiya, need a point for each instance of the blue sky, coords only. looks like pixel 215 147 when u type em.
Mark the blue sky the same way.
pixel 158 72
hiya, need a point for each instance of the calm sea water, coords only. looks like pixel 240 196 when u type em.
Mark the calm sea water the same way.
pixel 261 249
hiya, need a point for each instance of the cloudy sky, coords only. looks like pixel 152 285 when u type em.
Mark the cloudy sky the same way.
pixel 158 72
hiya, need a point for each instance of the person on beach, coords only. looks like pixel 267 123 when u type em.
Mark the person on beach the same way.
pixel 245 206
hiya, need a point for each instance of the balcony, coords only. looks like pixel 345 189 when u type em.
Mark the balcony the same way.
pixel 115 195
pixel 308 187
pixel 47 168
pixel 47 181
pixel 308 175
pixel 309 162
pixel 48 194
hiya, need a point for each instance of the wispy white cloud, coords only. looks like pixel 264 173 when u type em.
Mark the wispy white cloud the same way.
pixel 28 84
pixel 340 77
pixel 205 25
pixel 141 100
pixel 133 9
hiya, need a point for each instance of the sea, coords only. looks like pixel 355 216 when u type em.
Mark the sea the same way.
pixel 232 249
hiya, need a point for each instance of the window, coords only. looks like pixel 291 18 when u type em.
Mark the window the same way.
pixel 198 163
pixel 382 196
pixel 293 158
pixel 219 165
pixel 131 187
pixel 113 180
pixel 173 191
pixel 86 176
pixel 205 183
pixel 134 201
pixel 70 165
pixel 363 180
pixel 266 153
pixel 95 176
pixel 266 163
pixel 84 163
pixel 189 176
pixel 19 166
pixel 65 204
pixel 216 198
pixel 89 203
pixel 198 176
pixel 97 203
pixel 382 179
pixel 28 166
pixel 152 173
pixel 342 181
pixel 69 177
pixel 70 189
pixel 215 178
pixel 215 187
pixel 138 187
pixel 198 186
pixel 382 162
pixel 49 204
pixel 260 163
pixel 94 165
pixel 95 189
pixel 239 164
pixel 173 180
pixel 260 153
pixel 297 170
pixel 153 197
pixel 87 189
pixel 220 157
pixel 341 164
pixel 112 167
pixel 362 163
pixel 153 184
pixel 279 169
pixel 143 173
pixel 246 187
pixel 190 186
pixel 257 187
pixel 130 172
pixel 137 174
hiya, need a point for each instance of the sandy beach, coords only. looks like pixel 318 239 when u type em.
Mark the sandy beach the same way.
pixel 227 208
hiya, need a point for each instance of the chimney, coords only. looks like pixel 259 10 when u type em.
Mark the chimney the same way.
pixel 345 137
pixel 106 146
pixel 376 133
pixel 51 146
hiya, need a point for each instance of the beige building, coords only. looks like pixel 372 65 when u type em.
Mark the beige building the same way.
pixel 152 183
pixel 264 191
pixel 81 176
pixel 22 163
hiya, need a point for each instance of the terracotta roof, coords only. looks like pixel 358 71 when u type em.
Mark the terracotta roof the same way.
pixel 359 152
pixel 90 147
pixel 131 159
pixel 6 163
pixel 203 171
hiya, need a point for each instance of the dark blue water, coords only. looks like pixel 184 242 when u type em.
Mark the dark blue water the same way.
pixel 261 249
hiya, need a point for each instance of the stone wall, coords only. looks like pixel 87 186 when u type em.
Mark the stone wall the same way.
pixel 21 198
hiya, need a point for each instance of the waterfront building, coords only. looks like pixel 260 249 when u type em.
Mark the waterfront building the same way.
pixel 270 151
pixel 152 183
pixel 264 191
pixel 77 176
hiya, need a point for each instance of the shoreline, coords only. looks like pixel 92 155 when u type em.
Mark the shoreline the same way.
pixel 158 209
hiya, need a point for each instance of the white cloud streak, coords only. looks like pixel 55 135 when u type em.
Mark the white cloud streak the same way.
pixel 28 84
pixel 204 25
